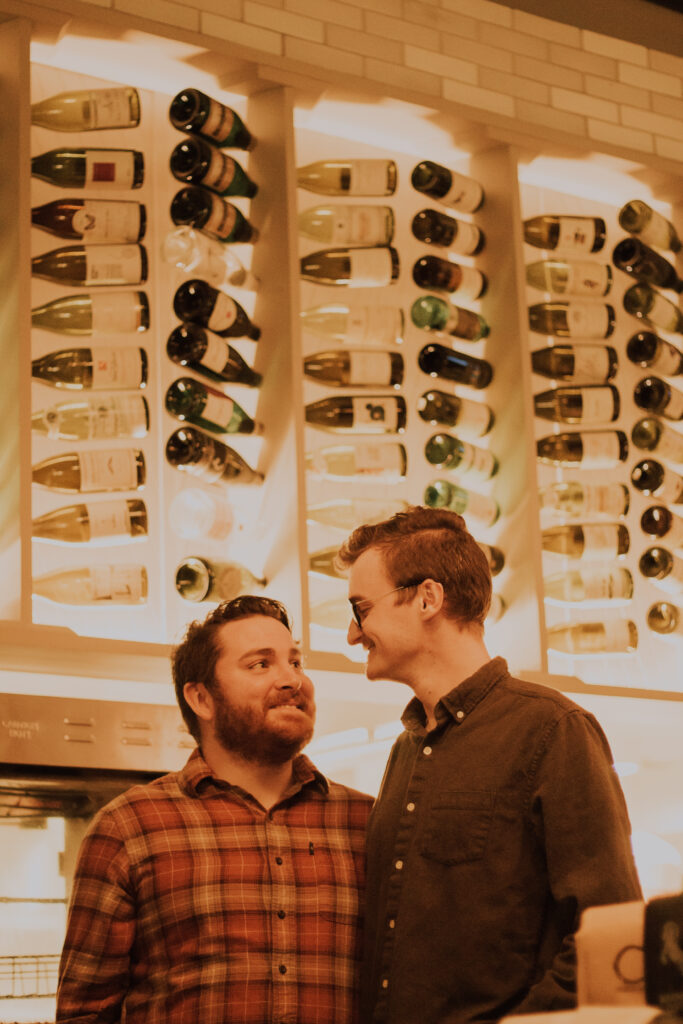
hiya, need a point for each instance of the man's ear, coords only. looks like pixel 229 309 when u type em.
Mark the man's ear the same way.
pixel 200 700
pixel 431 597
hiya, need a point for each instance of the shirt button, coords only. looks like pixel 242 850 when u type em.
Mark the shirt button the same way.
pixel 427 751
pixel 385 983
pixel 410 806
pixel 459 715
pixel 281 914
pixel 282 969
pixel 278 860
pixel 399 865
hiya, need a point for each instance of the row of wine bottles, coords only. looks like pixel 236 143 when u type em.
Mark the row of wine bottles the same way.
pixel 588 234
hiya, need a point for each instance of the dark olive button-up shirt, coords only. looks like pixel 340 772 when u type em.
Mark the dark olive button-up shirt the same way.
pixel 490 835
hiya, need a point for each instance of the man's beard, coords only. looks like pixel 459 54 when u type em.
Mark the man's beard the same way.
pixel 246 731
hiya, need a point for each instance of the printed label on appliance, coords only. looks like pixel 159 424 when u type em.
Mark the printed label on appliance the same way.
pixel 375 415
pixel 116 368
pixel 369 368
pixel 576 234
pixel 100 221
pixel 369 268
pixel 109 168
pixel 111 470
pixel 116 313
pixel 113 264
pixel 587 319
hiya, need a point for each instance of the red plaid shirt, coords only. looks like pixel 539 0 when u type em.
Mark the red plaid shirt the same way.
pixel 193 905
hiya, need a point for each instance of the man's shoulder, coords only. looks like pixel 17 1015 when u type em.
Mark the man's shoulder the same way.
pixel 141 799
pixel 346 794
pixel 540 696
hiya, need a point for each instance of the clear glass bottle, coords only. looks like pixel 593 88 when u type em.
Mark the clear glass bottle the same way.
pixel 361 177
pixel 565 233
pixel 199 256
pixel 638 218
pixel 572 319
pixel 201 579
pixel 587 541
pixel 587 449
pixel 347 224
pixel 473 419
pixel 359 414
pixel 430 313
pixel 588 405
pixel 92 265
pixel 443 494
pixel 87 472
pixel 348 513
pixel 200 514
pixel 614 636
pixel 570 277
pixel 600 583
pixel 360 326
pixel 574 498
pixel 576 364
pixel 100 368
pixel 366 460
pixel 94 523
pixel 87 110
pixel 359 267
pixel 352 367
pixel 103 312
pixel 100 417
pixel 98 585
pixel 447 452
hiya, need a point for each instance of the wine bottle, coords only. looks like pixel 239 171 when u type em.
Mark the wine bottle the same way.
pixel 92 220
pixel 94 585
pixel 442 494
pixel 646 349
pixel 197 255
pixel 592 403
pixel 570 277
pixel 363 177
pixel 438 228
pixel 360 326
pixel 448 187
pixel 104 417
pixel 494 557
pixel 385 462
pixel 354 367
pixel 654 395
pixel 196 514
pixel 497 609
pixel 193 111
pixel 645 303
pixel 590 449
pixel 576 499
pixel 111 469
pixel 572 319
pixel 447 452
pixel 100 313
pixel 210 213
pixel 191 451
pixel 660 523
pixel 446 363
pixel 197 162
pixel 431 313
pixel 590 584
pixel 360 414
pixel 198 579
pixel 91 265
pixel 322 562
pixel 90 168
pixel 103 522
pixel 347 513
pixel 651 478
pixel 435 272
pixel 618 636
pixel 209 355
pixel 569 234
pixel 474 419
pixel 199 303
pixel 347 224
pixel 362 267
pixel 663 568
pixel 590 542
pixel 576 364
pixel 99 368
pixel 638 218
pixel 188 399
pixel 653 436
pixel 665 618
pixel 644 264
pixel 86 110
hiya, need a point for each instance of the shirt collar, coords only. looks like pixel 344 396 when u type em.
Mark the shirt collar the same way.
pixel 196 777
pixel 462 698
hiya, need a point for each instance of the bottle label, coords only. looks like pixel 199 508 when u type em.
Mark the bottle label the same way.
pixel 674 407
pixel 369 268
pixel 373 325
pixel 222 218
pixel 109 168
pixel 471 283
pixel 367 178
pixel 479 507
pixel 577 234
pixel 99 221
pixel 670 491
pixel 113 264
pixel 587 320
pixel 118 416
pixel 473 417
pixel 616 636
pixel 212 463
pixel 218 409
pixel 116 313
pixel 600 449
pixel 597 405
pixel 109 108
pixel 220 173
pixel 602 499
pixel 668 360
pixel 464 193
pixel 600 586
pixel 591 362
pixel 359 225
pixel 662 313
pixel 467 238
pixel 108 519
pixel 369 368
pixel 223 314
pixel 121 584
pixel 599 542
pixel 375 415
pixel 377 459
pixel 215 355
pixel 219 121
pixel 116 368
pixel 111 470
pixel 584 278
pixel 673 581
pixel 670 447
pixel 476 461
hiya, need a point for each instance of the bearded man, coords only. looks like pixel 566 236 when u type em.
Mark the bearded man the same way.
pixel 228 892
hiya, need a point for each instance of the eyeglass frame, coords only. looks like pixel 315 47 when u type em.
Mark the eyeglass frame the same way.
pixel 371 602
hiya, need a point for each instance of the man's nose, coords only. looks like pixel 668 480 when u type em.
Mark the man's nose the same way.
pixel 354 633
pixel 290 678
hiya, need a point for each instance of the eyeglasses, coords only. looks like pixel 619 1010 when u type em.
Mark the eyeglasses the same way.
pixel 359 609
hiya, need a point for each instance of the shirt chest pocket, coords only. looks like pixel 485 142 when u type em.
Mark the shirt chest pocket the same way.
pixel 457 826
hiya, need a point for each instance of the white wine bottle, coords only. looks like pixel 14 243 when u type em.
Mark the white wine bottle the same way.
pixel 576 364
pixel 198 579
pixel 360 414
pixel 665 618
pixel 347 224
pixel 198 162
pixel 660 523
pixel 96 418
pixel 359 326
pixel 442 494
pixel 590 584
pixel 362 177
pixel 647 350
pixel 191 451
pixel 648 305
pixel 447 452
pixel 589 449
pixel 100 368
pixel 384 462
pixel 92 220
pixel 473 419
pixel 102 585
pixel 99 313
pixel 663 568
pixel 437 228
pixel 590 404
pixel 447 276
pixel 87 472
pixel 575 499
pixel 209 355
pixel 361 267
pixel 189 400
pixel 653 436
pixel 193 111
pixel 347 513
pixel 614 636
pixel 90 265
pixel 572 319
pixel 570 277
pixel 430 313
pixel 355 367
pixel 103 522
pixel 83 110
pixel 588 541
pixel 204 210
pixel 322 562
pixel 108 169
pixel 199 256
pixel 448 187
pixel 654 395
pixel 651 478
pixel 196 514
pixel 199 303
pixel 565 233
pixel 638 218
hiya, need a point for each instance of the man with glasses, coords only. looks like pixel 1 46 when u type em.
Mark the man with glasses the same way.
pixel 500 817
pixel 228 892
